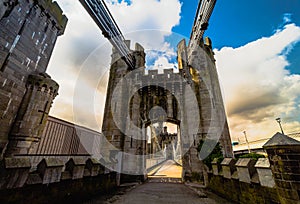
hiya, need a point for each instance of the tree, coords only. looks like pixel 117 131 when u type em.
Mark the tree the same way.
pixel 214 150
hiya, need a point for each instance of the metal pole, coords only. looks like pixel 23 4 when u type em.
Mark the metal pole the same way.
pixel 279 122
pixel 249 151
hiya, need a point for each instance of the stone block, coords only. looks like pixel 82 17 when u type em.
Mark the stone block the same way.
pixel 228 167
pixel 215 167
pixel 76 167
pixel 93 166
pixel 245 168
pixel 34 178
pixel 50 170
pixel 264 172
pixel 66 175
pixel 16 171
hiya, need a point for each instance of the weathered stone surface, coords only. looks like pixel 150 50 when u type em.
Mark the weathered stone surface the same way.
pixel 32 116
pixel 228 167
pixel 15 172
pixel 215 167
pixel 63 192
pixel 180 95
pixel 264 172
pixel 241 192
pixel 15 163
pixel 50 170
pixel 28 32
pixel 34 178
pixel 94 167
pixel 76 167
pixel 66 175
pixel 284 156
pixel 245 169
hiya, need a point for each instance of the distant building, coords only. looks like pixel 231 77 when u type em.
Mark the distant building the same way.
pixel 256 146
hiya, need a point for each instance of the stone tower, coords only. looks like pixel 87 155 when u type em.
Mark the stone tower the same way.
pixel 197 63
pixel 118 71
pixel 28 33
pixel 190 99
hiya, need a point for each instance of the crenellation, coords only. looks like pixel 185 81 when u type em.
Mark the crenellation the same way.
pixel 231 182
pixel 55 13
pixel 6 7
pixel 50 170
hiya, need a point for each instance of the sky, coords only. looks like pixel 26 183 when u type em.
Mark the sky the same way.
pixel 256 45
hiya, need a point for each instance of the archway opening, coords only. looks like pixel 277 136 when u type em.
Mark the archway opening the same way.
pixel 163 147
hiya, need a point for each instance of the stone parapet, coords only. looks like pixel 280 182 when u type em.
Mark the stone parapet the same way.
pixel 20 183
pixel 275 179
pixel 50 170
pixel 94 167
pixel 14 172
pixel 264 172
pixel 75 167
pixel 18 172
pixel 216 167
pixel 228 167
pixel 245 168
pixel 244 180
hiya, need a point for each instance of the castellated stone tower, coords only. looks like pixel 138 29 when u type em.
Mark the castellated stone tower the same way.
pixel 197 64
pixel 28 32
pixel 206 83
pixel 190 99
pixel 118 71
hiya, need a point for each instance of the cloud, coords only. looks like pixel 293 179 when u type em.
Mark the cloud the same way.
pixel 140 15
pixel 287 17
pixel 81 57
pixel 258 87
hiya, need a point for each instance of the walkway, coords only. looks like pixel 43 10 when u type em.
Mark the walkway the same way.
pixel 163 186
pixel 152 193
pixel 169 169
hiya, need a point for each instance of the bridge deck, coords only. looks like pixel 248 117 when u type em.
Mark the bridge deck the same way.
pixel 150 193
pixel 168 169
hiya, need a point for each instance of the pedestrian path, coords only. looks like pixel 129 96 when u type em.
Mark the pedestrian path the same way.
pixel 168 169
pixel 153 193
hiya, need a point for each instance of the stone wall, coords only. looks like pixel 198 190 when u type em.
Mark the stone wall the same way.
pixel 244 181
pixel 275 179
pixel 53 180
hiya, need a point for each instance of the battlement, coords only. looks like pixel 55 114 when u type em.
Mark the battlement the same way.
pixel 77 176
pixel 204 47
pixel 243 180
pixel 155 75
pixel 55 13
pixel 44 83
pixel 138 53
